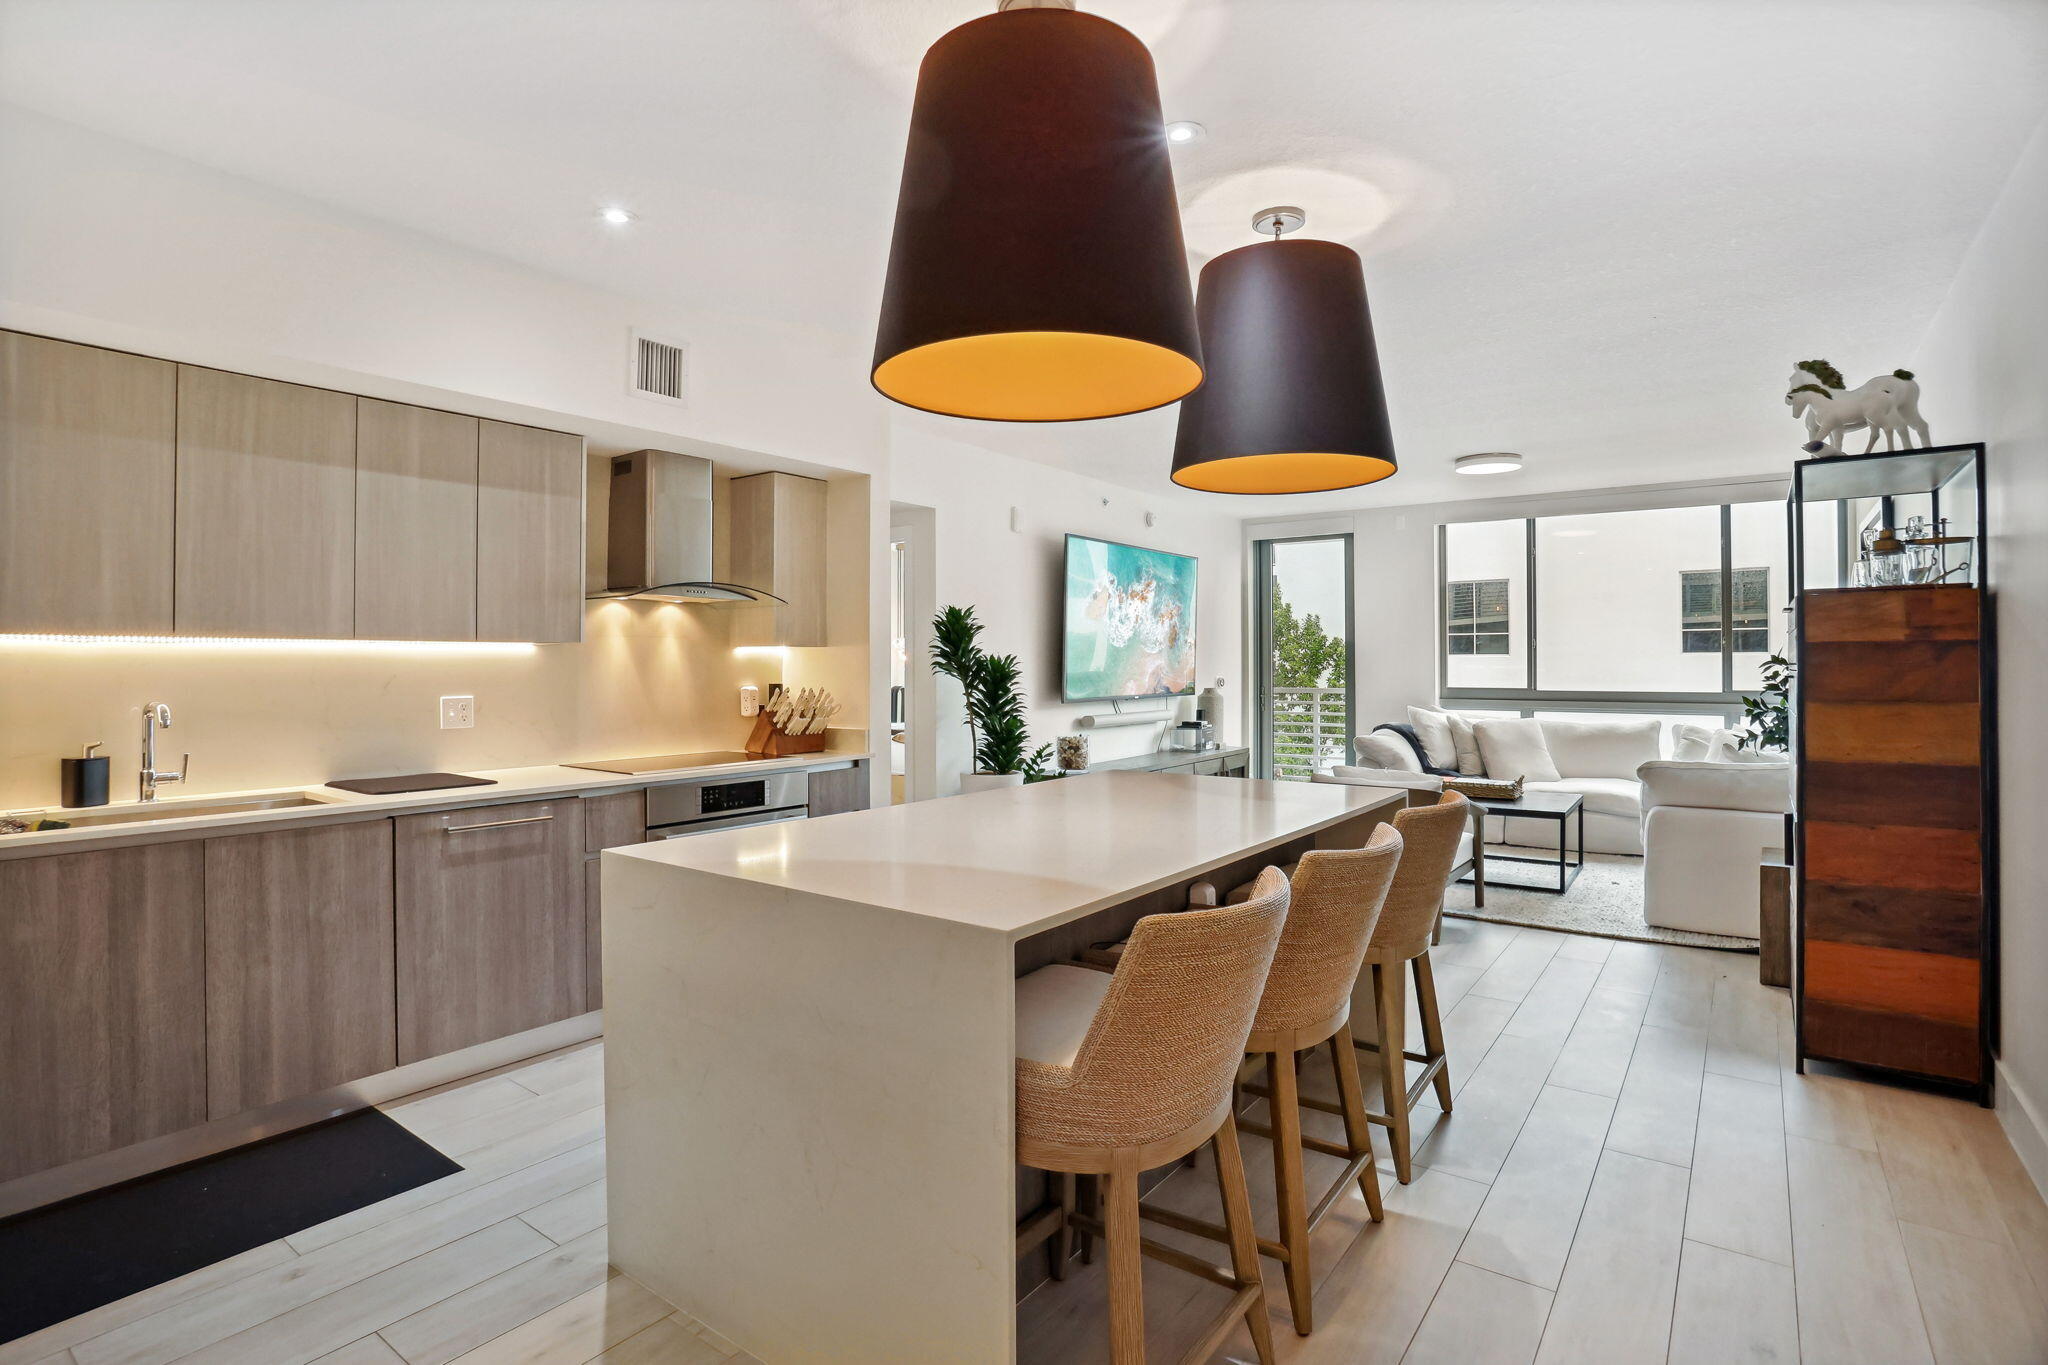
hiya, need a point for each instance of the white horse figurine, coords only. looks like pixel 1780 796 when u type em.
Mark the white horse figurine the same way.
pixel 1888 405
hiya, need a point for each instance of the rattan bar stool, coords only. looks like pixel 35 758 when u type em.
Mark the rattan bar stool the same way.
pixel 1336 904
pixel 1407 925
pixel 1119 1073
pixel 1430 835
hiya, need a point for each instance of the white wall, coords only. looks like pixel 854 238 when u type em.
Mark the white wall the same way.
pixel 1014 579
pixel 105 241
pixel 1983 363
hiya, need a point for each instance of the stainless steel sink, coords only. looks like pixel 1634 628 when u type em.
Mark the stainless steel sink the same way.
pixel 178 810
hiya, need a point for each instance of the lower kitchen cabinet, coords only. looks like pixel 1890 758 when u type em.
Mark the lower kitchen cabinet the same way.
pixel 839 789
pixel 102 1002
pixel 490 923
pixel 610 821
pixel 299 963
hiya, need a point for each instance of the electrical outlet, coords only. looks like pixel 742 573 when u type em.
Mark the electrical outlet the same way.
pixel 458 713
pixel 750 700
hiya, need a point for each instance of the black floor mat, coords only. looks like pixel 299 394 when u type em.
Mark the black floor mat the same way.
pixel 66 1258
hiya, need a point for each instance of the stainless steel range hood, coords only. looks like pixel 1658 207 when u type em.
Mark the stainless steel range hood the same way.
pixel 659 544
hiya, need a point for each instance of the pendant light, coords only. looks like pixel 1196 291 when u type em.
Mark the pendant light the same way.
pixel 1293 402
pixel 1037 272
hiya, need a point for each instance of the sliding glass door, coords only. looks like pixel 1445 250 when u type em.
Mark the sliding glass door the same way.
pixel 1305 671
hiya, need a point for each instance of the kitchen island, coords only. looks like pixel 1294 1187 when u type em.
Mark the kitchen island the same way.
pixel 810 1041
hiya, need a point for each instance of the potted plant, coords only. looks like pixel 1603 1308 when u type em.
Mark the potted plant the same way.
pixel 991 683
pixel 1766 718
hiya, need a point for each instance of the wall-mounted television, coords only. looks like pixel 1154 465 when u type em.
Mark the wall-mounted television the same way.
pixel 1130 622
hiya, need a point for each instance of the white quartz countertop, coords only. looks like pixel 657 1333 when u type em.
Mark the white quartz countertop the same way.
pixel 1017 860
pixel 507 784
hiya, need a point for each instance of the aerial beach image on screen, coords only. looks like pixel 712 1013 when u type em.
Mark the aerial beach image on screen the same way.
pixel 1130 624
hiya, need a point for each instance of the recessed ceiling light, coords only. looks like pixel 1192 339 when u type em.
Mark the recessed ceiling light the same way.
pixel 1489 462
pixel 1185 131
pixel 615 215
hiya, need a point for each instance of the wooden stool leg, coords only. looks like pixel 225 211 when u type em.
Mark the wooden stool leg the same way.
pixel 1126 1268
pixel 1432 1028
pixel 1061 1247
pixel 1287 1182
pixel 1357 1128
pixel 1391 996
pixel 1244 1247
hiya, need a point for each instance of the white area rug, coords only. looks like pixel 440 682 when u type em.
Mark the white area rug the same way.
pixel 1606 901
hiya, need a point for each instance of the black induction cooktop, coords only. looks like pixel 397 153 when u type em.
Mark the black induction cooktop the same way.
pixel 662 763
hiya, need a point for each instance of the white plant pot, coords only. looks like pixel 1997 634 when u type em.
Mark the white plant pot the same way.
pixel 981 782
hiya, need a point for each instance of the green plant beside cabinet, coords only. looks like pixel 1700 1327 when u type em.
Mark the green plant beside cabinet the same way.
pixel 993 686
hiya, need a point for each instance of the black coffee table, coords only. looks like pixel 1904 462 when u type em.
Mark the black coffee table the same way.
pixel 1558 806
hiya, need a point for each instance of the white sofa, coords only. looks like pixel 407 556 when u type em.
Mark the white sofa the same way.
pixel 1596 759
pixel 1705 826
pixel 1423 787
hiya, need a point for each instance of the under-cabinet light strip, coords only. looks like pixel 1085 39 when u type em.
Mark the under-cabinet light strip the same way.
pixel 203 642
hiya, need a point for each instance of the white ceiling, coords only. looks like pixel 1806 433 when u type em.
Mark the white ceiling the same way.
pixel 1595 231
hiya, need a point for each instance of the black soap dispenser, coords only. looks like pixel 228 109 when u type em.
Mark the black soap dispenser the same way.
pixel 85 778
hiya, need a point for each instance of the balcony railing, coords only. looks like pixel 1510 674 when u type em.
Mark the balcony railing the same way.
pixel 1310 730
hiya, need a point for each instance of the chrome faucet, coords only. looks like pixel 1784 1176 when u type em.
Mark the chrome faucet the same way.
pixel 155 716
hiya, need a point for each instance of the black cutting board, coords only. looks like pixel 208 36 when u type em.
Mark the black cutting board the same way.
pixel 412 782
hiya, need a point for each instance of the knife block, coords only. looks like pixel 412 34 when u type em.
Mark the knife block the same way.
pixel 769 742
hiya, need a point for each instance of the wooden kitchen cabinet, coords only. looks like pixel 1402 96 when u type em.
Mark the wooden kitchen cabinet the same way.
pixel 266 508
pixel 87 488
pixel 610 821
pixel 839 789
pixel 300 987
pixel 775 541
pixel 490 932
pixel 102 1002
pixel 529 534
pixel 416 511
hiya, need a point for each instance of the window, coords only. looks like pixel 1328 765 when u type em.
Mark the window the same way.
pixel 1476 616
pixel 1578 608
pixel 1699 611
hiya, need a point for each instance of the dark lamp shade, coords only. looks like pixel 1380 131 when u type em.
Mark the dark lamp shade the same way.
pixel 1293 402
pixel 1037 272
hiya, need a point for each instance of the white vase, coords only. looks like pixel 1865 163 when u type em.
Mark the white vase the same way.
pixel 981 782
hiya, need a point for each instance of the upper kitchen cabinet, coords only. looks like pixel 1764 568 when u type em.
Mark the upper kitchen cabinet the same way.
pixel 416 523
pixel 529 534
pixel 776 542
pixel 87 470
pixel 266 507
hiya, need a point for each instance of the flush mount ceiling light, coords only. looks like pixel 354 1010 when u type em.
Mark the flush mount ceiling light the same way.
pixel 1037 272
pixel 1488 462
pixel 615 215
pixel 1184 132
pixel 1293 402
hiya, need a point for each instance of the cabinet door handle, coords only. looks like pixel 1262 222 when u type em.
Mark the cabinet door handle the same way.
pixel 496 824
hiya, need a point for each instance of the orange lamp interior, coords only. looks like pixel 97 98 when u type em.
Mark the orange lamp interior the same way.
pixel 1284 472
pixel 1038 376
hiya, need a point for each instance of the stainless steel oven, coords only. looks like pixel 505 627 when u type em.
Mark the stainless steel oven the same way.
pixel 717 803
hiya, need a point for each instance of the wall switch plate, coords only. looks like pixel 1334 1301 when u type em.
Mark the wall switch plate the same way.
pixel 458 713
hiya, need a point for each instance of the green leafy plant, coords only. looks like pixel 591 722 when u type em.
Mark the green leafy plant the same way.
pixel 993 686
pixel 1767 717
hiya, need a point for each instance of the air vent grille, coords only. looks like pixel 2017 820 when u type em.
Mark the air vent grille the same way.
pixel 658 368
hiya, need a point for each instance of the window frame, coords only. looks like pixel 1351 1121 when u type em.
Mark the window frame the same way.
pixel 1529 695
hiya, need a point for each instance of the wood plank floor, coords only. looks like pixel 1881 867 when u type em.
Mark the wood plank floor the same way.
pixel 1632 1173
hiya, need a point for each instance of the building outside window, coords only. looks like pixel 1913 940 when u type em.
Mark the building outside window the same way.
pixel 1476 616
pixel 1699 596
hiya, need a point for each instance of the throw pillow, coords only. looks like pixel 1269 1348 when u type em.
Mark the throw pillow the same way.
pixel 1691 743
pixel 1433 728
pixel 1470 764
pixel 1515 748
pixel 1382 750
pixel 1722 744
